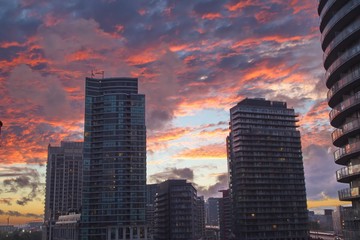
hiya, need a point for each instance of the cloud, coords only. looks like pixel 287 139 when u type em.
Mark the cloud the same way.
pixel 173 173
pixel 222 183
pixel 18 214
pixel 320 171
pixel 212 151
pixel 6 201
pixel 24 181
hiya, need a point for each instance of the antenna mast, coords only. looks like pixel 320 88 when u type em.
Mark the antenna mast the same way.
pixel 97 72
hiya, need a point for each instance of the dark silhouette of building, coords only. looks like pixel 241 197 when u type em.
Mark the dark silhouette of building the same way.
pixel 212 211
pixel 225 216
pixel 114 173
pixel 151 191
pixel 175 211
pixel 266 172
pixel 200 218
pixel 63 183
pixel 340 32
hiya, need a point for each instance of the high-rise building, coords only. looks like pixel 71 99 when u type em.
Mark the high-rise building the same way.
pixel 151 191
pixel 200 218
pixel 175 211
pixel 212 211
pixel 114 170
pixel 63 183
pixel 340 32
pixel 266 172
pixel 225 216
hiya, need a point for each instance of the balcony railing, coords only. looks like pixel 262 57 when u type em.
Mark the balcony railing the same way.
pixel 348 127
pixel 353 76
pixel 349 193
pixel 339 15
pixel 348 149
pixel 346 56
pixel 347 172
pixel 345 33
pixel 326 7
pixel 344 105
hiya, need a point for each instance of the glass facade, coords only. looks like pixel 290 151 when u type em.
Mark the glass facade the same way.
pixel 63 183
pixel 340 32
pixel 266 172
pixel 114 167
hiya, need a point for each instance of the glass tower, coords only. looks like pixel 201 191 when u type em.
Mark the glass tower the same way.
pixel 266 172
pixel 114 171
pixel 340 41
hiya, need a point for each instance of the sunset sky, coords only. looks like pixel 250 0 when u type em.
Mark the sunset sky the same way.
pixel 194 60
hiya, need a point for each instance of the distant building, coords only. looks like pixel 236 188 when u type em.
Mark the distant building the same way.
pixel 225 216
pixel 151 190
pixel 67 227
pixel 175 211
pixel 63 182
pixel 266 172
pixel 212 211
pixel 340 34
pixel 338 219
pixel 321 222
pixel 200 218
pixel 114 186
pixel 212 233
pixel 7 228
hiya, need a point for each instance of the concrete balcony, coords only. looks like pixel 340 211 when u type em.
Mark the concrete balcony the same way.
pixel 346 174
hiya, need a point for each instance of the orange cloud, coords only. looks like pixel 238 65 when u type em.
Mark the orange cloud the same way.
pixel 240 5
pixel 212 151
pixel 330 202
pixel 211 16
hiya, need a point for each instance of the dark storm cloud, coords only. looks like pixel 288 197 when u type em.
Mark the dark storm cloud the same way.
pixel 173 173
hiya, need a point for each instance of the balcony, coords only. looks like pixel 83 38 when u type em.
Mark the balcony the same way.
pixel 346 174
pixel 346 34
pixel 342 110
pixel 339 136
pixel 350 56
pixel 345 84
pixel 349 194
pixel 343 155
pixel 347 10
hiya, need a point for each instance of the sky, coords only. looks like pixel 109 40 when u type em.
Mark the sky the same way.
pixel 194 60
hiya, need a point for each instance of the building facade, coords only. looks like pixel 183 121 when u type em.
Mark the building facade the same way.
pixel 225 216
pixel 212 211
pixel 114 170
pixel 340 34
pixel 175 211
pixel 63 182
pixel 266 172
pixel 200 218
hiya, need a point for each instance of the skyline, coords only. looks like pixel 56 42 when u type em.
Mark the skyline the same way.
pixel 194 61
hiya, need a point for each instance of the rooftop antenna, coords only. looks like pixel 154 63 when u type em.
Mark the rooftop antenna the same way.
pixel 97 72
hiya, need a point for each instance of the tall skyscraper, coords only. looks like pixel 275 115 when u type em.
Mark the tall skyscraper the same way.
pixel 212 211
pixel 114 194
pixel 175 211
pixel 63 182
pixel 266 172
pixel 340 32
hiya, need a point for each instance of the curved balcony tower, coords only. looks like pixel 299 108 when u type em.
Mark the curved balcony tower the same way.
pixel 340 41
